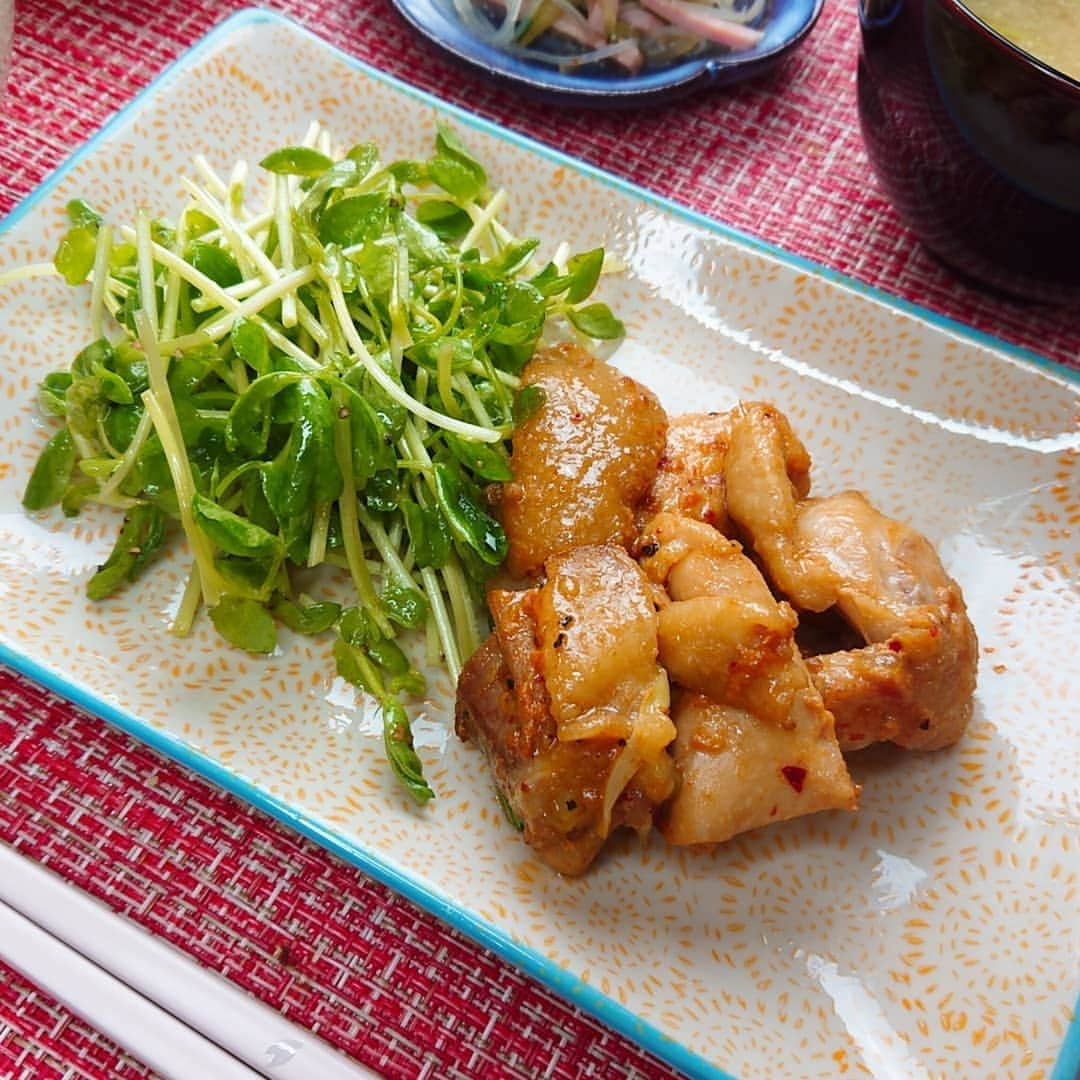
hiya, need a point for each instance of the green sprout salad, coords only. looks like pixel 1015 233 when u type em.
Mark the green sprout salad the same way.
pixel 329 378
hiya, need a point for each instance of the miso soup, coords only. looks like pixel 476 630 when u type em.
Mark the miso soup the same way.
pixel 1048 29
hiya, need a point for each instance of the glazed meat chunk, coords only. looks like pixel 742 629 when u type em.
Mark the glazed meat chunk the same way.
pixel 755 743
pixel 570 705
pixel 913 680
pixel 582 462
pixel 690 476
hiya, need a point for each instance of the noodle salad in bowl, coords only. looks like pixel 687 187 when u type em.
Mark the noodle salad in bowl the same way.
pixel 628 34
pixel 613 53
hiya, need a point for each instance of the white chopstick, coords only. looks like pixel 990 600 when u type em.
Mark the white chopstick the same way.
pixel 150 998
pixel 145 1031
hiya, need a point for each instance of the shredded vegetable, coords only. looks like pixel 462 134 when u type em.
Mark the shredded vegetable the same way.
pixel 626 34
pixel 328 379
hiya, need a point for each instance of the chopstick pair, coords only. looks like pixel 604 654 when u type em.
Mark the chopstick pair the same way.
pixel 173 1015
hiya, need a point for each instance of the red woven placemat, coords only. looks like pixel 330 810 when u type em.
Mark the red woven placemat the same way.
pixel 780 158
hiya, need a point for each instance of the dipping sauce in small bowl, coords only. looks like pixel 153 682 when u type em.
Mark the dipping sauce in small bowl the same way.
pixel 975 140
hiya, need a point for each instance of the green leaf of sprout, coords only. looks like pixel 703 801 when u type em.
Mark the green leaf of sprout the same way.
pixel 296 161
pixel 429 535
pixel 214 262
pixel 52 472
pixel 310 619
pixel 74 258
pixel 354 667
pixel 596 321
pixel 248 426
pixel 82 215
pixel 354 220
pixel 446 219
pixel 141 537
pixel 251 345
pixel 549 282
pixel 486 460
pixel 230 532
pixel 584 271
pixel 454 169
pixel 407 607
pixel 470 525
pixel 52 393
pixel 397 738
pixel 245 623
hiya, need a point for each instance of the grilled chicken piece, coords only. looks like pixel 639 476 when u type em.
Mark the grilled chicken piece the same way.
pixel 755 743
pixel 582 462
pixel 913 682
pixel 690 477
pixel 570 705
pixel 767 473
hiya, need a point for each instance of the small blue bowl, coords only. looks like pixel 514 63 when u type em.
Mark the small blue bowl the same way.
pixel 788 23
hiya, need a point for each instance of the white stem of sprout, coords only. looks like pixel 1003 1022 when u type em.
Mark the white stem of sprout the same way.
pixel 466 389
pixel 443 626
pixel 247 252
pixel 283 213
pixel 511 381
pixel 127 460
pixel 482 219
pixel 237 179
pixel 100 278
pixel 240 291
pixel 469 17
pixel 210 178
pixel 84 447
pixel 415 448
pixel 189 604
pixel 171 261
pixel 355 559
pixel 379 537
pixel 335 342
pixel 468 636
pixel 389 385
pixel 320 531
pixel 24 273
pixel 159 404
pixel 252 227
pixel 445 382
pixel 244 289
pixel 508 27
pixel 144 255
pixel 504 237
pixel 254 304
pixel 172 286
pixel 400 338
pixel 613 264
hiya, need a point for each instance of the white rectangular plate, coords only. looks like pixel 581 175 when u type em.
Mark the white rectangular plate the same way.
pixel 933 932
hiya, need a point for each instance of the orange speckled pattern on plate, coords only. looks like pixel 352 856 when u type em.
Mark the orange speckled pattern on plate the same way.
pixel 932 933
